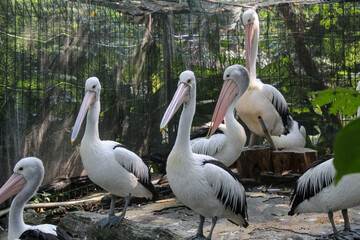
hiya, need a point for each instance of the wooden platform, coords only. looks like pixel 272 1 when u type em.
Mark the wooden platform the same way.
pixel 291 160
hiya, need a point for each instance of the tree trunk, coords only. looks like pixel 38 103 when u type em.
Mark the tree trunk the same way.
pixel 295 22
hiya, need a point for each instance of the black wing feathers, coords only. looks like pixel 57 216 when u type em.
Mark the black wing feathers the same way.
pixel 146 182
pixel 282 110
pixel 35 234
pixel 237 207
pixel 119 145
pixel 202 131
pixel 149 186
pixel 311 191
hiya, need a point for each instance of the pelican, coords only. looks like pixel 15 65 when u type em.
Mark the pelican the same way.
pixel 260 100
pixel 108 163
pixel 227 144
pixel 201 182
pixel 315 191
pixel 25 181
pixel 295 138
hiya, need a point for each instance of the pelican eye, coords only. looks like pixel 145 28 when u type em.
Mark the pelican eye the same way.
pixel 21 168
pixel 188 81
pixel 94 86
pixel 228 75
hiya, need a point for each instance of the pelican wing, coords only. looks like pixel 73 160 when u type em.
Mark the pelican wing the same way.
pixel 227 187
pixel 45 231
pixel 278 101
pixel 209 146
pixel 317 177
pixel 133 164
pixel 201 132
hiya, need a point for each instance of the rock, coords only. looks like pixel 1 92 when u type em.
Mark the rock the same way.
pixel 83 224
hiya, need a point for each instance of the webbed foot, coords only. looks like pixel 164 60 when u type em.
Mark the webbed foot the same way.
pixel 342 235
pixel 354 232
pixel 103 222
pixel 196 237
pixel 115 220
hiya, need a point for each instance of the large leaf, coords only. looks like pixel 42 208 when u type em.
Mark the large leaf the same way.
pixel 344 100
pixel 347 150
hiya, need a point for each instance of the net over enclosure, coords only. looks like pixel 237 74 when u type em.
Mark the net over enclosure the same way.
pixel 138 49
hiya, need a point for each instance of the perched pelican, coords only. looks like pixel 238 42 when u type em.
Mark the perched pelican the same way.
pixel 315 191
pixel 227 144
pixel 108 163
pixel 201 182
pixel 260 99
pixel 295 138
pixel 25 181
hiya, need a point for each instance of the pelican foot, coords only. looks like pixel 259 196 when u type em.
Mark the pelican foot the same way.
pixel 103 222
pixel 196 237
pixel 115 220
pixel 342 235
pixel 355 233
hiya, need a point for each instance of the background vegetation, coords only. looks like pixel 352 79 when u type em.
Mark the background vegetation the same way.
pixel 48 48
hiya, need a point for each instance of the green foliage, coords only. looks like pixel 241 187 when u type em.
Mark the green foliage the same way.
pixel 42 198
pixel 343 100
pixel 347 150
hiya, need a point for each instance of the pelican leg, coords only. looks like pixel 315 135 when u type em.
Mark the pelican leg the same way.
pixel 337 235
pixel 252 139
pixel 266 133
pixel 347 228
pixel 214 220
pixel 115 220
pixel 199 235
pixel 105 221
pixel 112 205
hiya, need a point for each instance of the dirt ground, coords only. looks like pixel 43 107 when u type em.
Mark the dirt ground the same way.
pixel 268 219
pixel 267 211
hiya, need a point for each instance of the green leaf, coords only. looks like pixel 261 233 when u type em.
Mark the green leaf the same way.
pixel 347 150
pixel 344 100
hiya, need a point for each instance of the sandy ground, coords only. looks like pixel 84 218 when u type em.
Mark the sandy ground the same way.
pixel 267 213
pixel 268 219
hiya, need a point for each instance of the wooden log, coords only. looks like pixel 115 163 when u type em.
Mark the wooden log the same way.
pixel 253 161
pixel 61 184
pixel 57 204
pixel 295 160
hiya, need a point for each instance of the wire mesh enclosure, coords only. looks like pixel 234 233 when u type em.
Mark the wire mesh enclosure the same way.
pixel 50 47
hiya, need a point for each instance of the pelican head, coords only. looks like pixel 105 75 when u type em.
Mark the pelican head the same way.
pixel 251 23
pixel 30 170
pixel 186 89
pixel 236 81
pixel 250 17
pixel 92 94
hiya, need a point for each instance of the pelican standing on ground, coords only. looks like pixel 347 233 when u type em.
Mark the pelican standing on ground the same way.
pixel 227 144
pixel 260 99
pixel 25 181
pixel 201 182
pixel 315 191
pixel 108 163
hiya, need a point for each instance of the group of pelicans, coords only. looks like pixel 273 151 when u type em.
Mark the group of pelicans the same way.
pixel 197 166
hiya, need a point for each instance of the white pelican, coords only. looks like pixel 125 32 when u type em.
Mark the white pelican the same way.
pixel 227 144
pixel 25 181
pixel 295 138
pixel 260 99
pixel 315 191
pixel 201 182
pixel 108 163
